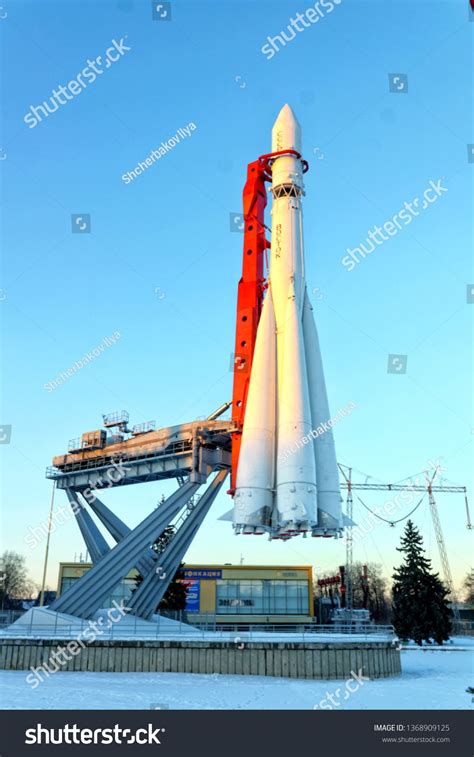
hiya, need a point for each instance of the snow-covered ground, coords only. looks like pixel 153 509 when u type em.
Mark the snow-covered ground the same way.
pixel 431 679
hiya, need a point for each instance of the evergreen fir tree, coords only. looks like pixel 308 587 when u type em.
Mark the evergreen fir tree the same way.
pixel 176 593
pixel 420 608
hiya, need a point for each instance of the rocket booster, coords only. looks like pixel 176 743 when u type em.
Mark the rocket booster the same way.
pixel 287 478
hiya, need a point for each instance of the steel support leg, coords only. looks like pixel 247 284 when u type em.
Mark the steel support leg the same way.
pixel 148 595
pixel 118 530
pixel 93 538
pixel 92 589
pixel 116 527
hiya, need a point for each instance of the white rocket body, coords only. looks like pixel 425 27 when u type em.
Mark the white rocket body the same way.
pixel 287 477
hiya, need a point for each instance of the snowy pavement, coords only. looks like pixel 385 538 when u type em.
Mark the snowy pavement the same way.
pixel 431 679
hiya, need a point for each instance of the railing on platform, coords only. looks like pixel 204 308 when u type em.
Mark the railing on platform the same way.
pixel 9 616
pixel 182 628
pixel 93 463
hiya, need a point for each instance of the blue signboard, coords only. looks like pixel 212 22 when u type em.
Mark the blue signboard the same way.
pixel 209 573
pixel 193 596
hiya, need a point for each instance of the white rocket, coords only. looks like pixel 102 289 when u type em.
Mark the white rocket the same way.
pixel 287 477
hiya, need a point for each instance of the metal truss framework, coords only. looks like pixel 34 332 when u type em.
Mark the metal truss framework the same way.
pixel 191 463
pixel 406 486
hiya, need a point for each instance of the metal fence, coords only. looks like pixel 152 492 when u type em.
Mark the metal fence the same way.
pixel 185 627
pixel 463 628
pixel 133 627
pixel 9 616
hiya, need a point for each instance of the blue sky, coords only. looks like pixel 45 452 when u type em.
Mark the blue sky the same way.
pixel 161 265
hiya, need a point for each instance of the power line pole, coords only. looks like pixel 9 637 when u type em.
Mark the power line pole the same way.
pixel 443 554
pixel 45 567
pixel 349 541
pixel 349 549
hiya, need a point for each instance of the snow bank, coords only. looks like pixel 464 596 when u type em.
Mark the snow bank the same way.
pixel 40 622
pixel 430 680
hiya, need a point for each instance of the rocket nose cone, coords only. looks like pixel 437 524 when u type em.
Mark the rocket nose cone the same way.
pixel 287 113
pixel 286 132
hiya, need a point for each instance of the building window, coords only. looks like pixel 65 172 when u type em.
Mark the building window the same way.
pixel 265 597
pixel 121 594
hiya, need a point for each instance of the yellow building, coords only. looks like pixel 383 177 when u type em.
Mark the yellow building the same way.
pixel 250 593
pixel 69 572
pixel 230 593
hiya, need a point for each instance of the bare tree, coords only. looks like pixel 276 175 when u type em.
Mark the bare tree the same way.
pixel 371 593
pixel 468 585
pixel 14 581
